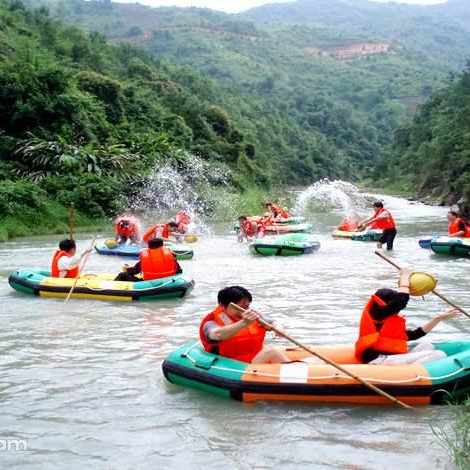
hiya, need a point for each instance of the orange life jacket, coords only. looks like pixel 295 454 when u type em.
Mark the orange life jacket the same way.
pixel 249 228
pixel 388 336
pixel 55 271
pixel 244 346
pixel 348 225
pixel 383 224
pixel 454 227
pixel 278 211
pixel 157 231
pixel 131 230
pixel 157 263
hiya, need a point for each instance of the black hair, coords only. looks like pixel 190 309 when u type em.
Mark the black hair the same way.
pixel 67 245
pixel 172 224
pixel 454 213
pixel 233 294
pixel 378 204
pixel 243 217
pixel 395 302
pixel 155 243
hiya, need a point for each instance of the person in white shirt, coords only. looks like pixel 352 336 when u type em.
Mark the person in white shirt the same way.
pixel 66 262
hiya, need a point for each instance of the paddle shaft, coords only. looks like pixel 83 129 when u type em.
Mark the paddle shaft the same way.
pixel 71 221
pixel 81 267
pixel 437 294
pixel 328 361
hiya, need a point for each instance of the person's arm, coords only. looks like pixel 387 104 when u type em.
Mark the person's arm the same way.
pixel 447 315
pixel 413 335
pixel 222 333
pixel 134 270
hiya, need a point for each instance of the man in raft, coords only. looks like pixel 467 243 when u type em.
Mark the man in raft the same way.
pixel 65 262
pixel 127 228
pixel 277 212
pixel 457 226
pixel 382 220
pixel 350 223
pixel 161 231
pixel 236 335
pixel 383 335
pixel 250 228
pixel 155 262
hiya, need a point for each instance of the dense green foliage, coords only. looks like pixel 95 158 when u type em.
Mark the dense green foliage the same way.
pixel 87 121
pixel 432 153
pixel 266 96
pixel 308 114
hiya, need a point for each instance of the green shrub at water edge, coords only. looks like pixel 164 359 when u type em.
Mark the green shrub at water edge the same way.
pixel 456 436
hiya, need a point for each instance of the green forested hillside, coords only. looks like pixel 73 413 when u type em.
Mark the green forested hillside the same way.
pixel 83 121
pixel 432 154
pixel 310 113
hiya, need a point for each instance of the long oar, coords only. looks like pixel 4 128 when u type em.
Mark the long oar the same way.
pixel 81 268
pixel 437 294
pixel 71 221
pixel 328 361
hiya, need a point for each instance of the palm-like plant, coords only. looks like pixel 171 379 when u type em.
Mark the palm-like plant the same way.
pixel 37 159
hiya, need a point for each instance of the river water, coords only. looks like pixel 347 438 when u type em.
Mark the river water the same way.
pixel 81 383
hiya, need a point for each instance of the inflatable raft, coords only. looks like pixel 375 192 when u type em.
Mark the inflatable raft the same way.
pixel 181 252
pixel 432 383
pixel 425 243
pixel 99 287
pixel 366 236
pixel 281 229
pixel 451 246
pixel 285 245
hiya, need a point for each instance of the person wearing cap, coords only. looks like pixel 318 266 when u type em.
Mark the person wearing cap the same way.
pixel 383 333
pixel 383 220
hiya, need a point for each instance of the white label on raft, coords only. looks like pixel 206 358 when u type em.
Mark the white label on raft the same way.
pixel 294 373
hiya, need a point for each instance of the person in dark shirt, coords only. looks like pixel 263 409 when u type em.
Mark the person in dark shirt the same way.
pixel 384 334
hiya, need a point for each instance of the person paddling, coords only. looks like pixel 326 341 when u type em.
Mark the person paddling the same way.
pixel 277 212
pixel 229 333
pixel 457 226
pixel 382 219
pixel 65 262
pixel 155 262
pixel 383 333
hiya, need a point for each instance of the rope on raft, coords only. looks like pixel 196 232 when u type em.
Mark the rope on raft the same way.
pixel 332 376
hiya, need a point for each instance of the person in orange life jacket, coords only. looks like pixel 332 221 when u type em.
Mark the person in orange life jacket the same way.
pixel 383 336
pixel 65 262
pixel 127 228
pixel 383 220
pixel 156 262
pixel 250 229
pixel 160 231
pixel 228 333
pixel 276 211
pixel 457 227
pixel 350 223
pixel 183 219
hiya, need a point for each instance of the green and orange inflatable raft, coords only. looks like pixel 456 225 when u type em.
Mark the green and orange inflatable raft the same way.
pixel 433 383
pixel 99 286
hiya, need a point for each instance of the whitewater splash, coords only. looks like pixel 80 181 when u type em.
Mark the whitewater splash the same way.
pixel 326 195
pixel 186 183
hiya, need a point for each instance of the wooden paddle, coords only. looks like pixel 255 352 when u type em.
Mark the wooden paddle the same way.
pixel 325 359
pixel 71 221
pixel 437 294
pixel 85 260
